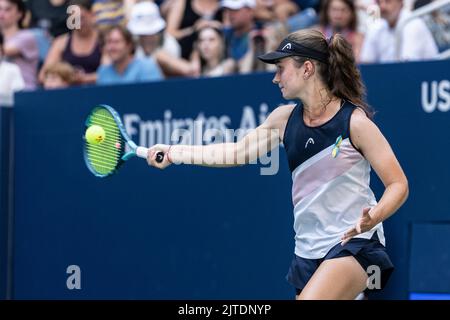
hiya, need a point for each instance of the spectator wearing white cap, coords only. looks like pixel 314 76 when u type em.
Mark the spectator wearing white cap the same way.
pixel 240 14
pixel 147 24
pixel 238 4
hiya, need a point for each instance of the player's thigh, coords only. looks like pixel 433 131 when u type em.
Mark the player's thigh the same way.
pixel 338 278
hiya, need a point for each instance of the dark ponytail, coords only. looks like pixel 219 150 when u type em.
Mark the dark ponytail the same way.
pixel 341 74
pixel 344 78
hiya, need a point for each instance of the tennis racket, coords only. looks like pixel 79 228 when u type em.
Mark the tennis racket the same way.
pixel 105 158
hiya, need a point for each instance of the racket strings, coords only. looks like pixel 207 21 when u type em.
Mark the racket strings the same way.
pixel 105 157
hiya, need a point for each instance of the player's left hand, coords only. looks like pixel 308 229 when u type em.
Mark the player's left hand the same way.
pixel 365 223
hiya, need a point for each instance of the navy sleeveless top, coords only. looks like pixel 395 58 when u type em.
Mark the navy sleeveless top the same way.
pixel 89 63
pixel 302 142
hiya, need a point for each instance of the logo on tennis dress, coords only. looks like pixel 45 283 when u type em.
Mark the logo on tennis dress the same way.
pixel 337 147
pixel 310 140
pixel 287 46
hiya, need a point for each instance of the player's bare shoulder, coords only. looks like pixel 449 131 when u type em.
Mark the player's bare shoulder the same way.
pixel 278 118
pixel 358 120
pixel 360 127
pixel 359 113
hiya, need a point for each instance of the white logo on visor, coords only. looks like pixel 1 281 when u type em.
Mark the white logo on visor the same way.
pixel 287 46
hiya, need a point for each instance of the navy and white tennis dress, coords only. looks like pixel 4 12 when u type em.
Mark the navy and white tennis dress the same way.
pixel 330 189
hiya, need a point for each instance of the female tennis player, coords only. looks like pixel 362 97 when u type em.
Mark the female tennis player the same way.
pixel 331 144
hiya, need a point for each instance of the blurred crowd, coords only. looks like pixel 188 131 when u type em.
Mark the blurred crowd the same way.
pixel 60 43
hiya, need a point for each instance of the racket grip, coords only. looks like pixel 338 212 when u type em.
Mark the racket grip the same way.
pixel 142 152
pixel 160 157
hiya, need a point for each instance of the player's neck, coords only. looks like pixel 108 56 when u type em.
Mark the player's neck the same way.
pixel 315 106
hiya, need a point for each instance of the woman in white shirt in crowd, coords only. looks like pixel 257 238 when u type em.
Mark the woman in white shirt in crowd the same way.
pixel 11 79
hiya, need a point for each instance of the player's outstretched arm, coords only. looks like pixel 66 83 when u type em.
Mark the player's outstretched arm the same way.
pixel 258 142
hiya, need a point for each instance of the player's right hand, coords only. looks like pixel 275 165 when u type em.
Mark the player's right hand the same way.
pixel 152 154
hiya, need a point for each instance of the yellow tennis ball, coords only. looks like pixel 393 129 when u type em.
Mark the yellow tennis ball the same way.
pixel 95 134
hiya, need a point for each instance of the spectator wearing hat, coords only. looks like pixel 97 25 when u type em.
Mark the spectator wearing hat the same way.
pixel 146 23
pixel 124 67
pixel 240 14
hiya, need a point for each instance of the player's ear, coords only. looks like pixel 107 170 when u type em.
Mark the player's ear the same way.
pixel 309 69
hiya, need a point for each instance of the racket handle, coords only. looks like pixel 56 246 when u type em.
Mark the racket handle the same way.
pixel 142 152
pixel 160 157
